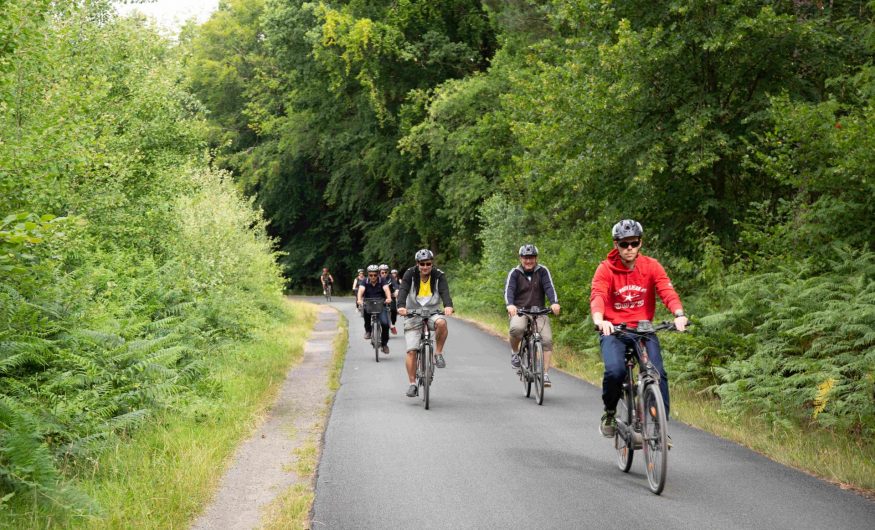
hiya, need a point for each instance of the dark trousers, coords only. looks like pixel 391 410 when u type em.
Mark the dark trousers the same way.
pixel 613 354
pixel 384 325
pixel 394 309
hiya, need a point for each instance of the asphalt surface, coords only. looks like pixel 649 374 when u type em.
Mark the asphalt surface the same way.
pixel 484 456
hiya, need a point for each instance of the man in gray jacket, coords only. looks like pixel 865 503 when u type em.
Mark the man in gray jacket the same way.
pixel 424 287
pixel 527 286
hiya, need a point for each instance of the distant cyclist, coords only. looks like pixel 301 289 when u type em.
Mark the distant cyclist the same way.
pixel 527 286
pixel 393 287
pixel 374 287
pixel 327 280
pixel 624 289
pixel 424 287
pixel 358 280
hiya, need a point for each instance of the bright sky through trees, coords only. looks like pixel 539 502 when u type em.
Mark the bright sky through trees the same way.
pixel 171 14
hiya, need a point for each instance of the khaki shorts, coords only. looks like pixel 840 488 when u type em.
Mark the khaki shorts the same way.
pixel 518 328
pixel 413 330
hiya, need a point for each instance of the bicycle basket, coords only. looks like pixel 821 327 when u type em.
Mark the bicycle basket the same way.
pixel 373 305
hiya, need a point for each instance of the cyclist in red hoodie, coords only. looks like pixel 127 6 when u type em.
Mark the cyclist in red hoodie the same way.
pixel 624 289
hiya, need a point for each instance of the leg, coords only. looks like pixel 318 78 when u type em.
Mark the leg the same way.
pixel 440 330
pixel 394 311
pixel 384 331
pixel 654 352
pixel 613 350
pixel 515 334
pixel 546 340
pixel 367 318
pixel 411 338
pixel 410 362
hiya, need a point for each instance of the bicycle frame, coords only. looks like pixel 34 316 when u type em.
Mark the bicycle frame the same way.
pixel 531 372
pixel 424 365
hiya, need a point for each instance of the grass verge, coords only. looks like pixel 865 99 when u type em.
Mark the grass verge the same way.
pixel 164 473
pixel 292 509
pixel 845 461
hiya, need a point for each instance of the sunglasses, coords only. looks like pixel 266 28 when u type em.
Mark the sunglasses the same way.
pixel 372 275
pixel 627 244
pixel 425 264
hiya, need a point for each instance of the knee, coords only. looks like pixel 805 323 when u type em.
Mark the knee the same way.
pixel 440 325
pixel 615 373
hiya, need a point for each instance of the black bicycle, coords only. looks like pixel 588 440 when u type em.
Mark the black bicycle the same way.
pixel 425 352
pixel 532 354
pixel 641 417
pixel 373 307
pixel 326 290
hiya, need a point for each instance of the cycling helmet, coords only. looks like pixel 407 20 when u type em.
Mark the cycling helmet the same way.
pixel 627 228
pixel 394 271
pixel 360 271
pixel 528 250
pixel 384 267
pixel 422 255
pixel 373 268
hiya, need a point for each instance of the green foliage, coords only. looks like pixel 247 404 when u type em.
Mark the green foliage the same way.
pixel 145 262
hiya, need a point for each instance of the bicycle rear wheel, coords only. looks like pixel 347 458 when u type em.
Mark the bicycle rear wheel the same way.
pixel 625 447
pixel 655 442
pixel 538 371
pixel 428 366
pixel 376 333
pixel 526 368
pixel 328 292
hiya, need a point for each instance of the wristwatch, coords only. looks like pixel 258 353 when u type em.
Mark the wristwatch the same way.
pixel 679 313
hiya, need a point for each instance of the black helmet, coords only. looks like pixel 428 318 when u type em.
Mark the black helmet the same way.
pixel 423 254
pixel 373 268
pixel 384 267
pixel 627 228
pixel 528 250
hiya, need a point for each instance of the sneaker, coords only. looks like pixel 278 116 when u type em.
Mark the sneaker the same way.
pixel 367 335
pixel 515 360
pixel 413 391
pixel 439 361
pixel 385 350
pixel 394 331
pixel 547 383
pixel 608 428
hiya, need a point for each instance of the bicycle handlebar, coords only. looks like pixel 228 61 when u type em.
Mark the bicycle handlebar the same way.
pixel 424 313
pixel 535 311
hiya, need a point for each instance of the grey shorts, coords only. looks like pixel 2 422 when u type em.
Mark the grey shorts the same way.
pixel 518 328
pixel 413 330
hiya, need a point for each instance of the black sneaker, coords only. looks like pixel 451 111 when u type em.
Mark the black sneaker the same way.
pixel 608 427
pixel 413 391
pixel 439 361
pixel 385 349
pixel 367 335
pixel 515 360
pixel 547 383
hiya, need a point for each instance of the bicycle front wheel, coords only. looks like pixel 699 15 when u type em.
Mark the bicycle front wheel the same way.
pixel 376 333
pixel 427 368
pixel 538 371
pixel 624 445
pixel 655 441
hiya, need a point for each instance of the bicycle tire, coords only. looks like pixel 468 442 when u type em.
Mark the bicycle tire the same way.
pixel 538 371
pixel 426 373
pixel 328 293
pixel 625 447
pixel 525 368
pixel 375 336
pixel 655 443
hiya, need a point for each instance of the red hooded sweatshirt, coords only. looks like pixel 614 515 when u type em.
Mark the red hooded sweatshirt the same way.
pixel 624 295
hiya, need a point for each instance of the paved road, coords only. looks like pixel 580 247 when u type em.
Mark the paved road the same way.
pixel 486 457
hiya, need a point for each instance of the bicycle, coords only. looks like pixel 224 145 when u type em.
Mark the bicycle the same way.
pixel 375 306
pixel 641 417
pixel 326 291
pixel 531 370
pixel 425 352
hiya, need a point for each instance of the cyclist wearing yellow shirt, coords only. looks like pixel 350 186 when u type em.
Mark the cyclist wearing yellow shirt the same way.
pixel 425 287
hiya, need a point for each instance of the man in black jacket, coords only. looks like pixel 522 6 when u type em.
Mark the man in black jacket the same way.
pixel 527 286
pixel 424 287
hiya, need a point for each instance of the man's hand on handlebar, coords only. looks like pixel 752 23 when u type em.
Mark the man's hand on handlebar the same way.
pixel 604 327
pixel 554 308
pixel 448 311
pixel 511 310
pixel 680 323
pixel 402 311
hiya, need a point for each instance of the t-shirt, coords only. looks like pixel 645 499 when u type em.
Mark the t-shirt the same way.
pixel 374 291
pixel 424 294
